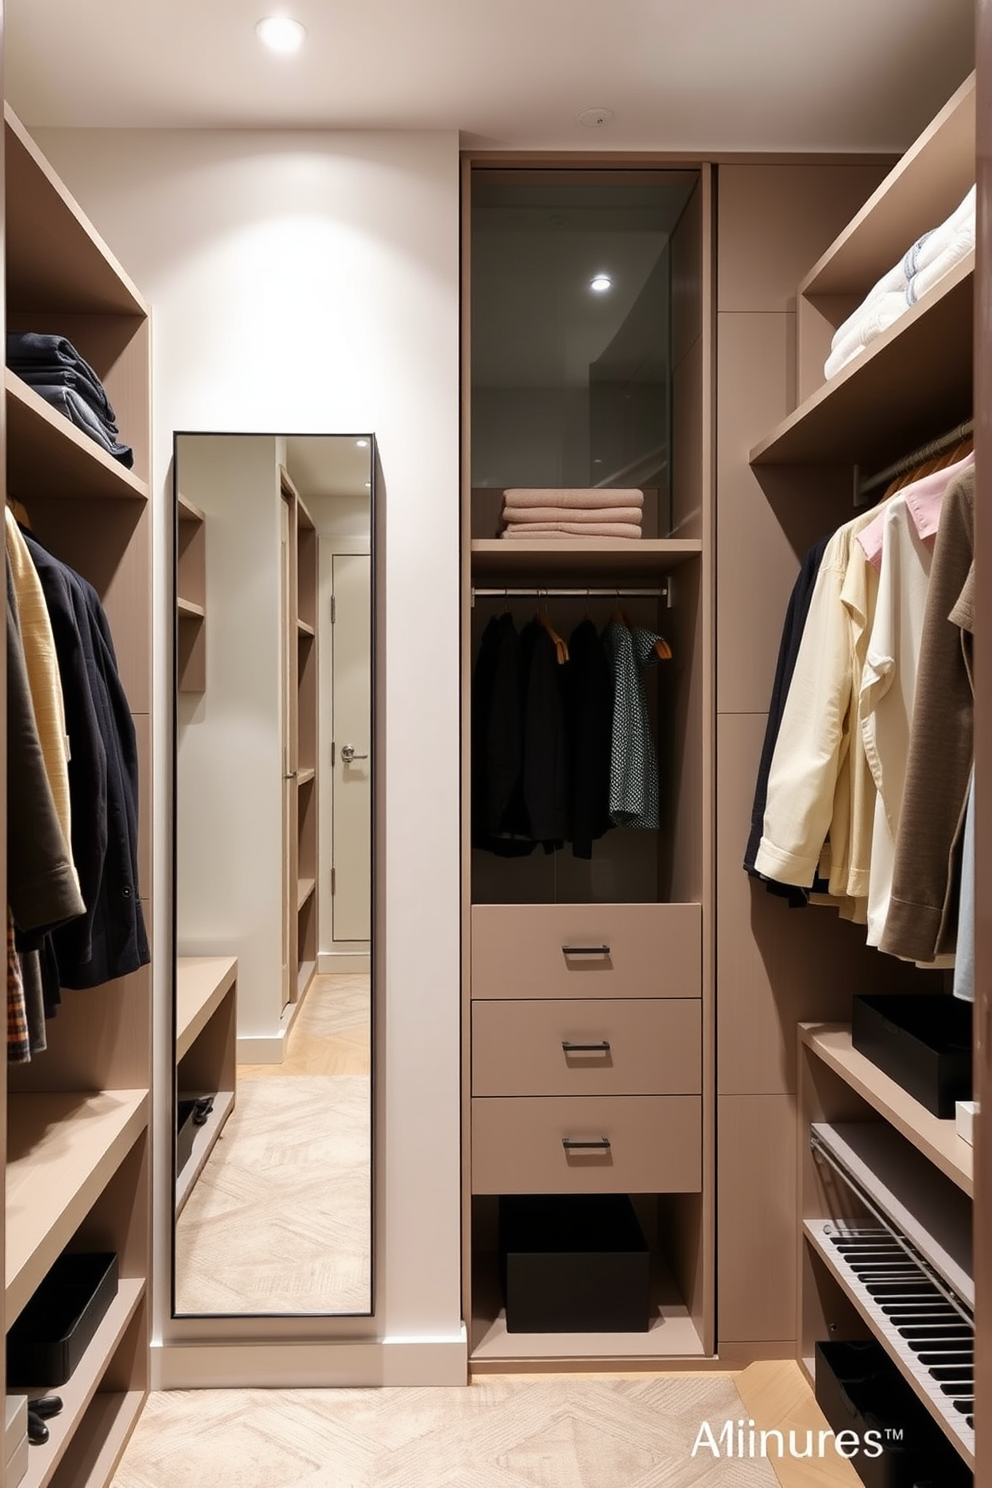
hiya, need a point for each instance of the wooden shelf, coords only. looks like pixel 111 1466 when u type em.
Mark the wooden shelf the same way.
pixel 188 511
pixel 305 888
pixel 62 1150
pixel 203 1142
pixel 101 1439
pixel 880 406
pixel 497 560
pixel 54 258
pixel 79 1395
pixel 305 777
pixel 49 456
pixel 671 1334
pixel 187 610
pixel 820 1235
pixel 919 193
pixel 202 983
pixel 936 1139
pixel 306 630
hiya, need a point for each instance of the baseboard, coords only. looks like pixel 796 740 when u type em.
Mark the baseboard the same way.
pixel 739 1355
pixel 329 962
pixel 268 1048
pixel 411 1362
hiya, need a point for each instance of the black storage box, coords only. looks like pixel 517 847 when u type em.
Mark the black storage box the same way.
pixel 922 1041
pixel 185 1132
pixel 859 1389
pixel 573 1263
pixel 50 1336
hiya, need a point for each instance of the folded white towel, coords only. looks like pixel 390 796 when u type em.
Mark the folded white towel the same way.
pixel 920 268
pixel 542 530
pixel 953 252
pixel 864 328
pixel 570 498
pixel 526 514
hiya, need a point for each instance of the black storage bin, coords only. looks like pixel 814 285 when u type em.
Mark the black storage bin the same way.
pixel 922 1041
pixel 50 1336
pixel 573 1263
pixel 859 1389
pixel 185 1133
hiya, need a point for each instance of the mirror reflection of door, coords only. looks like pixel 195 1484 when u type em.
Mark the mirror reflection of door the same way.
pixel 351 702
pixel 274 966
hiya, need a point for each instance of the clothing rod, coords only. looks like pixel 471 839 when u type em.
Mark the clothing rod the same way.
pixel 570 593
pixel 925 452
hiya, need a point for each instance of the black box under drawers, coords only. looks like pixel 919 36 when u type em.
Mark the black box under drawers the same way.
pixel 573 1263
pixel 53 1331
pixel 921 1041
pixel 859 1389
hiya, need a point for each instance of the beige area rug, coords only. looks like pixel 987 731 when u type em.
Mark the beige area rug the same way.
pixel 623 1433
pixel 279 1219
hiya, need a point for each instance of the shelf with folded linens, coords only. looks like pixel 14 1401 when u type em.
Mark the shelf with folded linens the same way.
pixel 45 453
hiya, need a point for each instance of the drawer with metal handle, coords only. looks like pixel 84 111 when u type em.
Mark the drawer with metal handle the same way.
pixel 586 1144
pixel 625 1046
pixel 586 950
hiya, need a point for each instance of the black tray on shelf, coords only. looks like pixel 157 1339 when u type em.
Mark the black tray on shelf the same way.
pixel 922 1041
pixel 51 1334
pixel 859 1389
pixel 573 1263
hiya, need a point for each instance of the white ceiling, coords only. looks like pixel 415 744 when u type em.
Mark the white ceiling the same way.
pixel 694 75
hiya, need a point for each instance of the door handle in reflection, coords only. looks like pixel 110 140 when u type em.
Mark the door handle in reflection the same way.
pixel 292 775
pixel 348 754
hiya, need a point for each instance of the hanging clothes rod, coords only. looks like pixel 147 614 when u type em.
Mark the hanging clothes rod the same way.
pixel 664 592
pixel 902 467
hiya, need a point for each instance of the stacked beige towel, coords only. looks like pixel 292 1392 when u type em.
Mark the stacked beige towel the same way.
pixel 571 512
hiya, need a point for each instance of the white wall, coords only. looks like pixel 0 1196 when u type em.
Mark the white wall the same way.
pixel 308 282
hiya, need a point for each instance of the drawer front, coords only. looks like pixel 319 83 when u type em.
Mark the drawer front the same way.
pixel 654 1144
pixel 653 1047
pixel 585 950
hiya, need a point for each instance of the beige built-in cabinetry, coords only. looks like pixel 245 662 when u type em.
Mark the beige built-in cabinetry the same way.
pixel 613 954
pixel 911 1173
pixel 78 1164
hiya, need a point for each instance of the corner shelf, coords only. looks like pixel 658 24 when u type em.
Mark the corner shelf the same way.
pixel 936 1139
pixel 206 1050
pixel 48 455
pixel 879 405
pixel 63 1148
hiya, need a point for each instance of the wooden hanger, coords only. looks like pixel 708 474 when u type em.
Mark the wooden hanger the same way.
pixel 19 512
pixel 561 649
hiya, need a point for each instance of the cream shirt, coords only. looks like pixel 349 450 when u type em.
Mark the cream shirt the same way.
pixel 819 784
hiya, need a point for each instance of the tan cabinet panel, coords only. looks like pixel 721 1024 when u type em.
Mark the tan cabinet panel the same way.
pixel 585 950
pixel 587 1047
pixel 519 1145
pixel 756 1217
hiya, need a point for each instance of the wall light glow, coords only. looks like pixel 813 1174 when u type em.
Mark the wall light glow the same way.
pixel 281 33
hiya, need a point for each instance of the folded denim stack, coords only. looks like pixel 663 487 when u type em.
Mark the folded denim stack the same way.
pixel 52 366
pixel 571 512
pixel 929 260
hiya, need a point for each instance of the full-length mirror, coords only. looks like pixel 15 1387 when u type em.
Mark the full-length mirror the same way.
pixel 274 774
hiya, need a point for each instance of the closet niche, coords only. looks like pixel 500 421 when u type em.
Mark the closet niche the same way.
pixel 588 1080
pixel 274 788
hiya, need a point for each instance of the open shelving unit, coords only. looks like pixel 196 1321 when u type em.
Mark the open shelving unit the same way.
pixel 306 761
pixel 206 1051
pixel 191 596
pixel 78 1169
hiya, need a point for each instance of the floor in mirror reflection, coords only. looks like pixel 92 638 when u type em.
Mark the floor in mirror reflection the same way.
pixel 279 1220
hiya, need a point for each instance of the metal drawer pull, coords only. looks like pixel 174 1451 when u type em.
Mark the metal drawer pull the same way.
pixel 601 1144
pixel 600 950
pixel 603 1047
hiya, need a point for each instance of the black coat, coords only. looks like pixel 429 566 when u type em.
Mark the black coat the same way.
pixel 109 940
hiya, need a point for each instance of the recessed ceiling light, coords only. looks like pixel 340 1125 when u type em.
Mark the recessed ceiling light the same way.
pixel 368 485
pixel 601 283
pixel 362 443
pixel 281 33
pixel 595 118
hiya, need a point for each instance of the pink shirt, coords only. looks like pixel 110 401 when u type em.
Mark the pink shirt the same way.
pixel 923 500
